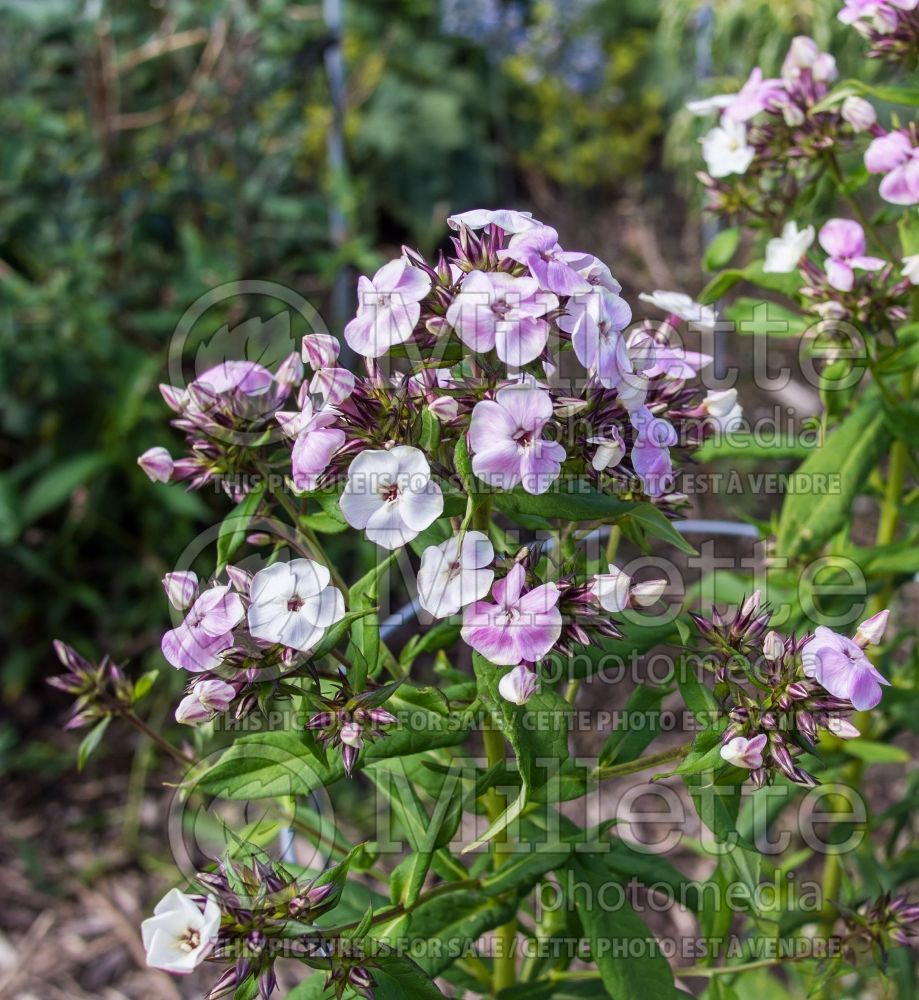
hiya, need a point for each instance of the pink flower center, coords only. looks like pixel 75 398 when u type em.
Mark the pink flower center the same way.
pixel 390 493
pixel 295 603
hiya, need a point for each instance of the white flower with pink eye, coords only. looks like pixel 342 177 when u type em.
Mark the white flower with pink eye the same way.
pixel 519 626
pixel 391 496
pixel 745 753
pixel 595 322
pixel 453 575
pixel 518 685
pixel 505 437
pixel 292 604
pixel 180 935
pixel 389 308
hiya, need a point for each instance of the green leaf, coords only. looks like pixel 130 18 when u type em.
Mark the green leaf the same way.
pixel 236 526
pixel 721 284
pixel 263 765
pixel 759 317
pixel 908 96
pixel 636 726
pixel 635 969
pixel 452 922
pixel 520 872
pixel 337 632
pixel 722 248
pixel 877 753
pixel 538 730
pixel 655 523
pixel 91 741
pixel 312 988
pixel 835 473
pixel 398 978
pixel 569 498
pixel 57 484
pixel 739 446
pixel 365 634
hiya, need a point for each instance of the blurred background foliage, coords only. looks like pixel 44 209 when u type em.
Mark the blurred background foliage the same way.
pixel 153 150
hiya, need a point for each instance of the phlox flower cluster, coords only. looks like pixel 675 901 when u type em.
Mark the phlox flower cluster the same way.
pixel 778 134
pixel 804 686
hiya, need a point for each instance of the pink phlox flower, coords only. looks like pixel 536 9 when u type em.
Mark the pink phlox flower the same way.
pixel 757 94
pixel 388 308
pixel 496 310
pixel 895 156
pixel 842 667
pixel 553 267
pixel 207 631
pixel 505 437
pixel 844 241
pixel 520 626
pixel 595 322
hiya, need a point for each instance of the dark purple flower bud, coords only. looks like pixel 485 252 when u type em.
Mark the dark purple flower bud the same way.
pixel 267 984
pixel 227 982
pixel 349 757
pixel 69 656
pixel 381 717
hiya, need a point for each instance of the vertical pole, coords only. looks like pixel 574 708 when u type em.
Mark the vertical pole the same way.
pixel 705 29
pixel 333 15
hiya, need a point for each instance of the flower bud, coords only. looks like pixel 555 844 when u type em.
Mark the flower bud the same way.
pixel 518 685
pixel 69 657
pixel 181 589
pixel 871 631
pixel 290 371
pixel 643 595
pixel 335 385
pixel 859 113
pixel 157 464
pixel 773 647
pixel 240 578
pixel 352 735
pixel 444 408
pixel 206 699
pixel 842 728
pixel 320 350
pixel 751 604
pixel 610 450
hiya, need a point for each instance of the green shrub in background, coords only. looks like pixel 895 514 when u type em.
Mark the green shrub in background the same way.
pixel 152 152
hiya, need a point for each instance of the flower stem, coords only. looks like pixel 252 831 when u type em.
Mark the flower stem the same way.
pixel 643 763
pixel 505 967
pixel 153 736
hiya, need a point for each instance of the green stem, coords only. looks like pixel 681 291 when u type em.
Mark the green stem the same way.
pixel 400 909
pixel 505 967
pixel 643 763
pixel 693 971
pixel 164 745
pixel 867 224
pixel 612 543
